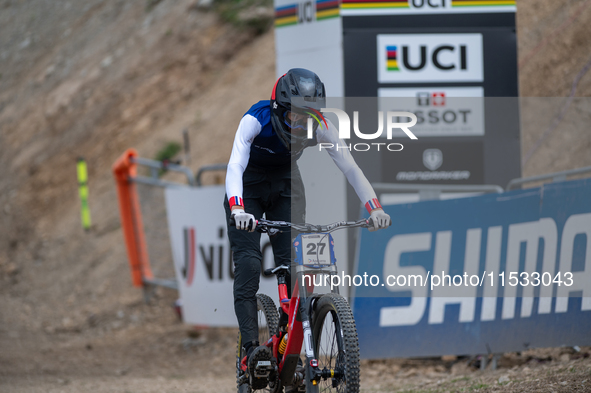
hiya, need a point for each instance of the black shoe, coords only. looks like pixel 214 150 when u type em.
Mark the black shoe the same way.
pixel 259 367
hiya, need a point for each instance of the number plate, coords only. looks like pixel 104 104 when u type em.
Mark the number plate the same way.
pixel 316 249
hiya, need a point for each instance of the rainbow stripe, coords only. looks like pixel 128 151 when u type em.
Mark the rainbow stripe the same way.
pixel 392 58
pixel 286 16
pixel 372 4
pixel 482 3
pixel 326 9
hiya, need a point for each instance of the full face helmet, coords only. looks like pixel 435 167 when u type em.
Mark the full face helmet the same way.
pixel 297 96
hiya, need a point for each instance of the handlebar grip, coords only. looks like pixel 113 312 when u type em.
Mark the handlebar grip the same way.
pixel 268 272
pixel 370 222
pixel 232 222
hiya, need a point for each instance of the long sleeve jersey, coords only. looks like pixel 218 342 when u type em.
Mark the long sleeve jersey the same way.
pixel 257 143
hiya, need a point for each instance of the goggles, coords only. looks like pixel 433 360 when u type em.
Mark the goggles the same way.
pixel 296 121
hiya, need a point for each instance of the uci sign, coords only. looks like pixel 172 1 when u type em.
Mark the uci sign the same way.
pixel 404 58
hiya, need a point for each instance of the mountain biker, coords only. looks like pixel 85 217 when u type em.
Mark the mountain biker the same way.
pixel 263 177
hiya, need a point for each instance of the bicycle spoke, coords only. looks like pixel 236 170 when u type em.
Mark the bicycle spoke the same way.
pixel 330 355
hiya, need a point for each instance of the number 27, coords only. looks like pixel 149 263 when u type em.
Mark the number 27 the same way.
pixel 312 248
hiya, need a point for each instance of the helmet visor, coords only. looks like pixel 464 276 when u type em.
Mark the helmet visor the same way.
pixel 297 122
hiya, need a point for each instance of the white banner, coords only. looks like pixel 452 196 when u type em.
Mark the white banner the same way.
pixel 201 255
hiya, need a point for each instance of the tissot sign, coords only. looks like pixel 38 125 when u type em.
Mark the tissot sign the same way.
pixel 405 58
pixel 440 111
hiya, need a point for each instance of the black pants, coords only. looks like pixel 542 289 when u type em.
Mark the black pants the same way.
pixel 277 194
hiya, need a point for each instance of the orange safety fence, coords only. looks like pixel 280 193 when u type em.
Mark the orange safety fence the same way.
pixel 124 169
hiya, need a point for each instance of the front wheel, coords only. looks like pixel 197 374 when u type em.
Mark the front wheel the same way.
pixel 336 344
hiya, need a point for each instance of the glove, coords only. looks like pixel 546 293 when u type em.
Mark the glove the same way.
pixel 244 220
pixel 380 220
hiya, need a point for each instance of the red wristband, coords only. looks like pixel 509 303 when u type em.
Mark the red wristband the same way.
pixel 372 204
pixel 235 201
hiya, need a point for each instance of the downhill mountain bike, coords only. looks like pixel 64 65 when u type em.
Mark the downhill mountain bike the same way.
pixel 323 323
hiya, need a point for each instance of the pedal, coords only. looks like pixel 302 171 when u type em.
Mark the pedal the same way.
pixel 263 369
pixel 260 366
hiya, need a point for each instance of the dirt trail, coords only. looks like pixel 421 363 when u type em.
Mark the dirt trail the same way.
pixel 96 77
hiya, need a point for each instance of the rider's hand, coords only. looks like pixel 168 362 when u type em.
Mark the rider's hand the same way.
pixel 244 220
pixel 380 220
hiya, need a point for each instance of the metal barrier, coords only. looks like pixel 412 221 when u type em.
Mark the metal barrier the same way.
pixel 428 192
pixel 557 176
pixel 209 168
pixel 125 172
pixel 156 167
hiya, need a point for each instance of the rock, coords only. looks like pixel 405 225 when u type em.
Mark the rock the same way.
pixel 459 368
pixel 68 323
pixel 25 43
pixel 504 379
pixel 107 61
pixel 11 269
pixel 565 357
pixel 49 70
pixel 92 320
pixel 122 371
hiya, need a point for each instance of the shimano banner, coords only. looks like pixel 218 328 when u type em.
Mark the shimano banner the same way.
pixel 492 273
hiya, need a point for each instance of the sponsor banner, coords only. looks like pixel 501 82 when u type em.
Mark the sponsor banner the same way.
pixel 411 58
pixel 440 111
pixel 424 7
pixel 201 254
pixel 435 163
pixel 503 238
pixel 304 12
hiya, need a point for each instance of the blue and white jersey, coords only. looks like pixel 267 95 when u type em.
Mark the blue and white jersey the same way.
pixel 257 143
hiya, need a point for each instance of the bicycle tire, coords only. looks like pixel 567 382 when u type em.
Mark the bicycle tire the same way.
pixel 268 319
pixel 336 344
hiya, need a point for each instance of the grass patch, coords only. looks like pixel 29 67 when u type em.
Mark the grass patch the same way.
pixel 168 152
pixel 150 4
pixel 478 386
pixel 460 379
pixel 245 14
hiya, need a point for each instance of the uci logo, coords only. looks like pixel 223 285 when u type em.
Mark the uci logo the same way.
pixel 429 4
pixel 306 12
pixel 417 58
pixel 407 58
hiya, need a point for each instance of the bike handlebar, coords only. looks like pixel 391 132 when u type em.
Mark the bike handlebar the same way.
pixel 266 225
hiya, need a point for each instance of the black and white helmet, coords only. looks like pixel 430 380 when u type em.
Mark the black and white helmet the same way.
pixel 289 121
